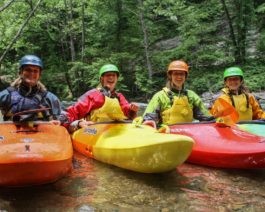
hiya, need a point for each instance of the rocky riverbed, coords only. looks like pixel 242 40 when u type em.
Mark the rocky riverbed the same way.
pixel 94 186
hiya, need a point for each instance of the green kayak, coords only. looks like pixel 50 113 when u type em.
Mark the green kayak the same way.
pixel 256 127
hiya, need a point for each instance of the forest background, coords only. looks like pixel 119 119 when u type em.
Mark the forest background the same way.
pixel 75 38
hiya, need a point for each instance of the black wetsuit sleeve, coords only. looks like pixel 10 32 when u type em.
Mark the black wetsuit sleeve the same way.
pixel 197 114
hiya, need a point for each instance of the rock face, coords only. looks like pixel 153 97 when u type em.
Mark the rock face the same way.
pixel 166 44
pixel 207 97
pixel 261 95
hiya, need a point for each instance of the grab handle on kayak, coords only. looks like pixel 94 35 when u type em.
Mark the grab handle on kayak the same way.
pixel 28 127
pixel 26 130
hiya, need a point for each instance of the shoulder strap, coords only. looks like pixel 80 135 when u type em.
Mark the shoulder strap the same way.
pixel 170 95
pixel 185 93
pixel 40 95
pixel 116 96
pixel 247 97
pixel 232 99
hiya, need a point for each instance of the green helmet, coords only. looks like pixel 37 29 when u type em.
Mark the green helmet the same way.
pixel 233 71
pixel 108 68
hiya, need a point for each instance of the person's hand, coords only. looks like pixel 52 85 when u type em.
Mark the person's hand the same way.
pixel 138 120
pixel 55 122
pixel 150 123
pixel 134 107
pixel 218 113
pixel 84 123
pixel 164 129
pixel 263 119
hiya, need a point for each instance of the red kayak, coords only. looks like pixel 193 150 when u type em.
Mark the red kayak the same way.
pixel 217 145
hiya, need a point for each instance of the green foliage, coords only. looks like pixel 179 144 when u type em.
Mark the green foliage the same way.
pixel 254 76
pixel 75 40
pixel 212 82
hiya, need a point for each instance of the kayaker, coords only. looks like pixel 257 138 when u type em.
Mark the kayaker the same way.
pixel 100 104
pixel 28 93
pixel 174 103
pixel 238 95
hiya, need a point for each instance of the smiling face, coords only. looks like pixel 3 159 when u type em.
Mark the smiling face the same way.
pixel 233 82
pixel 178 78
pixel 109 80
pixel 30 74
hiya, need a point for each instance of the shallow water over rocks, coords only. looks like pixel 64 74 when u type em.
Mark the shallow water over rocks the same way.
pixel 94 186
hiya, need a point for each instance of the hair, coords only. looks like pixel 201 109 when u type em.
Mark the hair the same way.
pixel 169 84
pixel 19 81
pixel 243 88
pixel 99 86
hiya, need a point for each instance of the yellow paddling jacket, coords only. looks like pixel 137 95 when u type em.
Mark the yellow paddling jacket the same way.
pixel 245 104
pixel 110 110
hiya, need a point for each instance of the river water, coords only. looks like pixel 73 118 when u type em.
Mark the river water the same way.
pixel 94 186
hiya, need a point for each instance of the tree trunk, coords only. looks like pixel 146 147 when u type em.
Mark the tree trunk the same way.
pixel 241 34
pixel 119 25
pixel 66 75
pixel 232 34
pixel 83 31
pixel 69 18
pixel 243 14
pixel 30 3
pixel 6 5
pixel 68 81
pixel 247 10
pixel 146 44
pixel 72 46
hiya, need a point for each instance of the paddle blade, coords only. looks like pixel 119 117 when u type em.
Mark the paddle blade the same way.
pixel 224 112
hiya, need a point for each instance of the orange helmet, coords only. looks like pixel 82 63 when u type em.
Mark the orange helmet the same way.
pixel 178 65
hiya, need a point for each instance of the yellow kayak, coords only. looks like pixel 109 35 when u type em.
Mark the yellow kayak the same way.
pixel 137 148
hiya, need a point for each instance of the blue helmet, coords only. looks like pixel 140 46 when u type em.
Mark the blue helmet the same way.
pixel 30 60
